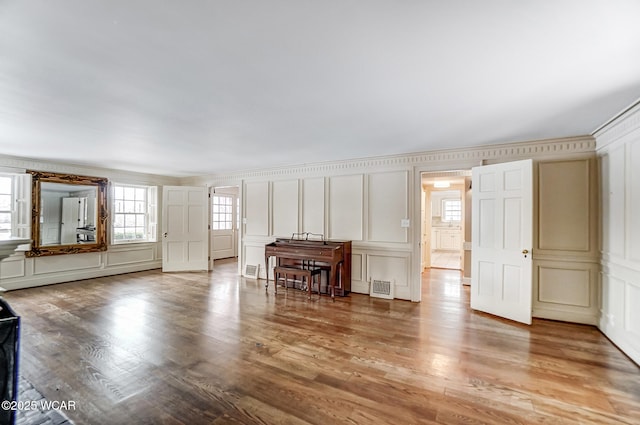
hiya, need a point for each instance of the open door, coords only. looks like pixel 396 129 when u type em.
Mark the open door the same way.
pixel 502 232
pixel 224 215
pixel 185 245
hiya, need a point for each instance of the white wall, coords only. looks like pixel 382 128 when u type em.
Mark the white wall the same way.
pixel 18 271
pixel 618 146
pixel 365 201
pixel 364 207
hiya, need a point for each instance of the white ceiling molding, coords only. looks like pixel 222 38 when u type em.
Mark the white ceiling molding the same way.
pixel 619 127
pixel 542 149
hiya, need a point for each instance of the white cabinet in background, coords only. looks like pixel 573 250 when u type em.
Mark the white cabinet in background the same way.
pixel 435 238
pixel 446 239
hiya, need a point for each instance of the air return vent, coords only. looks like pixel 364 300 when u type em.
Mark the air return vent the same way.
pixel 251 271
pixel 381 289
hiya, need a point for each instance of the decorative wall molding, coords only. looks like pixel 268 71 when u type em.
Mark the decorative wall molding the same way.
pixel 618 127
pixel 457 173
pixel 620 267
pixel 480 154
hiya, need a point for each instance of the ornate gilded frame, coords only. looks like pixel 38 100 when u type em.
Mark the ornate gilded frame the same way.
pixel 37 178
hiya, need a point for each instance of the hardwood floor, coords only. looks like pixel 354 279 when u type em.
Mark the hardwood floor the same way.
pixel 198 348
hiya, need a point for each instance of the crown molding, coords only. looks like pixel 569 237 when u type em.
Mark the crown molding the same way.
pixel 20 165
pixel 550 148
pixel 619 127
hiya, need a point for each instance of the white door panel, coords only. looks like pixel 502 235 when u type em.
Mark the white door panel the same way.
pixel 223 225
pixel 184 226
pixel 502 233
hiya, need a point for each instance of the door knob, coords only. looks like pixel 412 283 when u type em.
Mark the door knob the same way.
pixel 524 251
pixel 165 234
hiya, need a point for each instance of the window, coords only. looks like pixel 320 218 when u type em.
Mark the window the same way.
pixel 451 210
pixel 134 218
pixel 15 206
pixel 222 208
pixel 6 204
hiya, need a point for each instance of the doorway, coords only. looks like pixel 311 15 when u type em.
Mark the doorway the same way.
pixel 225 222
pixel 445 220
pixel 446 226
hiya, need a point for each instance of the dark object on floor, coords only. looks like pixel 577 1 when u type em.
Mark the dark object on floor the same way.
pixel 9 341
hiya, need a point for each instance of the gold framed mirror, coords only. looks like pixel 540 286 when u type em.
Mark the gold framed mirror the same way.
pixel 68 214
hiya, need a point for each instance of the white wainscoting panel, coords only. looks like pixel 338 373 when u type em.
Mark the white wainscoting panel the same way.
pixel 66 263
pixel 285 207
pixel 254 254
pixel 613 303
pixel 12 267
pixel 632 319
pixel 394 268
pixel 633 213
pixel 313 205
pixel 388 195
pixel 620 319
pixel 130 255
pixel 358 283
pixel 618 146
pixel 346 207
pixel 357 267
pixel 256 208
pixel 613 201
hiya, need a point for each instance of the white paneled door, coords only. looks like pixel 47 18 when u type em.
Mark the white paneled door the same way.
pixel 224 214
pixel 185 243
pixel 502 232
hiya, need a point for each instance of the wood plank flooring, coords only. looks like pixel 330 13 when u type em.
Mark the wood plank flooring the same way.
pixel 213 348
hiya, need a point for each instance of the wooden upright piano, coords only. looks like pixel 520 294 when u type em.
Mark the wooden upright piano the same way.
pixel 333 256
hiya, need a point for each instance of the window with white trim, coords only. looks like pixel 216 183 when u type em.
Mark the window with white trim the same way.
pixel 6 206
pixel 15 205
pixel 222 210
pixel 451 210
pixel 135 213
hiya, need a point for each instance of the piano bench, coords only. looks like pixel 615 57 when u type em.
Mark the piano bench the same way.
pixel 305 274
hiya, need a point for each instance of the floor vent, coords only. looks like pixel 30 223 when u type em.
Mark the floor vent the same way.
pixel 251 271
pixel 381 289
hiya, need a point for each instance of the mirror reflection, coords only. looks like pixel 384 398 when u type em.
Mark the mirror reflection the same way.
pixel 68 214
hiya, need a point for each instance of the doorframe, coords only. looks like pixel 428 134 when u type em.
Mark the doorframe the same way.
pixel 238 218
pixel 416 268
pixel 461 189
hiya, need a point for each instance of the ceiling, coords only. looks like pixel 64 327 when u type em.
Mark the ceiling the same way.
pixel 199 87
